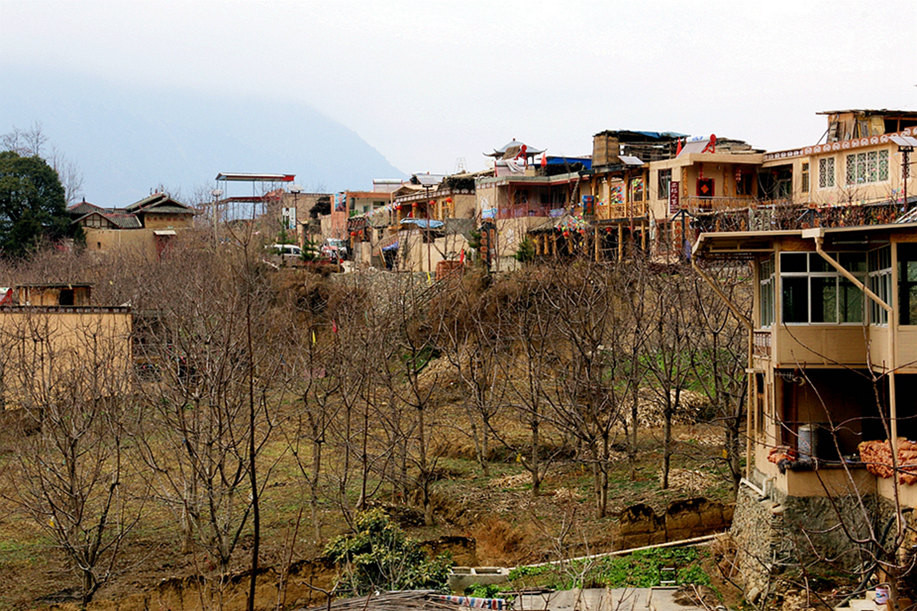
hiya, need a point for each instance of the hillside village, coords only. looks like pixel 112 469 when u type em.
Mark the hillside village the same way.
pixel 684 348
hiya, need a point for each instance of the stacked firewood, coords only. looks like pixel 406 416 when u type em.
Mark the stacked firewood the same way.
pixel 877 456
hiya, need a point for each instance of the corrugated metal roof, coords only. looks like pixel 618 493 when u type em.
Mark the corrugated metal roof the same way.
pixel 869 111
pixel 247 177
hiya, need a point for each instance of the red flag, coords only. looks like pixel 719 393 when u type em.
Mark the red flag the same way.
pixel 462 256
pixel 544 160
pixel 678 150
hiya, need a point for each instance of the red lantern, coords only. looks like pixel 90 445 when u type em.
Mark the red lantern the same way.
pixel 448 200
pixel 397 206
pixel 414 205
pixel 608 230
pixel 582 232
pixel 566 234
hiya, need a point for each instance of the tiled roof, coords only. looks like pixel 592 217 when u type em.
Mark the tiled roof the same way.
pixel 83 208
pixel 156 200
pixel 168 209
pixel 123 220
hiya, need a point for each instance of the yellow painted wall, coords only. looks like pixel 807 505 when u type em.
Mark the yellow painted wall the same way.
pixel 418 256
pixel 841 192
pixel 48 350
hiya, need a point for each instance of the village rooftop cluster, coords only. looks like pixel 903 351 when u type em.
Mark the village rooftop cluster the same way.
pixel 826 228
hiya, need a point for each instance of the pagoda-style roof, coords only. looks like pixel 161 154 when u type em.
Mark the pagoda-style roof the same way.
pixel 512 149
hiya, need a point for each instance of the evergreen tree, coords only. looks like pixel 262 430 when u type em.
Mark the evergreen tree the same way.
pixel 32 205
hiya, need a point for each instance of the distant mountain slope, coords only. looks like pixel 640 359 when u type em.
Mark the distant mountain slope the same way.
pixel 126 141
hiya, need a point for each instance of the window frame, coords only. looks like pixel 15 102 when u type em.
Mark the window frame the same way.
pixel 822 272
pixel 880 282
pixel 904 285
pixel 863 167
pixel 827 178
pixel 663 180
pixel 767 286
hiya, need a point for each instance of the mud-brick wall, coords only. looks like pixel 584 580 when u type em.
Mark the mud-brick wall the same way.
pixel 640 525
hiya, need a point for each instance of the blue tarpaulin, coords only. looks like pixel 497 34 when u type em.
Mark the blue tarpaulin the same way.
pixel 423 223
pixel 392 246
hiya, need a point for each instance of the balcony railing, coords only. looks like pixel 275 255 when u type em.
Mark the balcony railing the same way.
pixel 717 204
pixel 621 211
pixel 521 211
pixel 761 346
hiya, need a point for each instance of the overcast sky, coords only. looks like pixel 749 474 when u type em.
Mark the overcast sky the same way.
pixel 429 83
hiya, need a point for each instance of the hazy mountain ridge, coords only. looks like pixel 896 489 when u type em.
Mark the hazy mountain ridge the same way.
pixel 127 140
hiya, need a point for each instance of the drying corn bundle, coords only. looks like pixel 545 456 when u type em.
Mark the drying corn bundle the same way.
pixel 877 456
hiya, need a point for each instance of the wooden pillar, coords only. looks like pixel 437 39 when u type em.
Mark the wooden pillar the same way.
pixel 554 244
pixel 598 246
pixel 643 235
pixel 620 241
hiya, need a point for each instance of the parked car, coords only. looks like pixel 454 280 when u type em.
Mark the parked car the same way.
pixel 287 253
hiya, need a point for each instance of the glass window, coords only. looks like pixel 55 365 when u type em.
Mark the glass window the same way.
pixel 793 262
pixel 880 282
pixel 824 299
pixel 826 172
pixel 850 301
pixel 766 292
pixel 867 167
pixel 795 298
pixel 813 291
pixel 907 284
pixel 818 264
pixel 805 178
pixel 664 179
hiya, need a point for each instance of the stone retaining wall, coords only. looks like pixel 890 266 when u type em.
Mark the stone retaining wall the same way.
pixel 778 533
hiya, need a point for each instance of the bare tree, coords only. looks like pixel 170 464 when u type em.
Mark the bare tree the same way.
pixel 32 142
pixel 670 346
pixel 213 351
pixel 721 358
pixel 531 328
pixel 70 374
pixel 589 403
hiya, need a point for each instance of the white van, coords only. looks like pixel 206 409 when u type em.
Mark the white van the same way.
pixel 286 252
